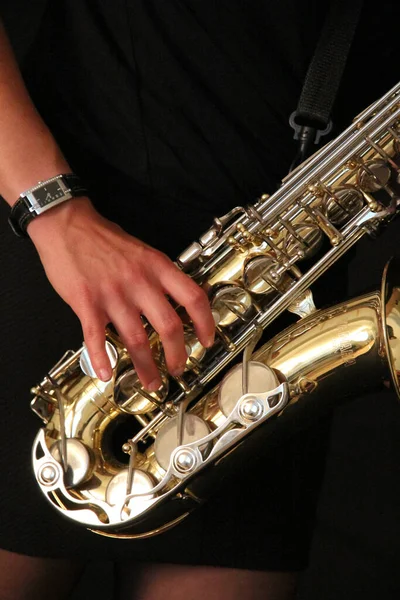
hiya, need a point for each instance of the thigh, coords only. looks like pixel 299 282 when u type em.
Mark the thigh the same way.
pixel 181 582
pixel 30 578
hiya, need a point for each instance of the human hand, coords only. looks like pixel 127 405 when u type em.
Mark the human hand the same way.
pixel 106 275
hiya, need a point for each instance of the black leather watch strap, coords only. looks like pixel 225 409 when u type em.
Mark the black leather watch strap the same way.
pixel 19 218
pixel 75 184
pixel 21 214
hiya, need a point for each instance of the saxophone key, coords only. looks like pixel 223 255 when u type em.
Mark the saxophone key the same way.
pixel 370 201
pixel 132 398
pixel 382 153
pixel 142 484
pixel 230 304
pixel 79 463
pixel 236 245
pixel 342 204
pixel 190 255
pixel 287 265
pixel 395 133
pixel 86 363
pixel 175 433
pixel 131 466
pixel 373 175
pixel 185 387
pixel 194 350
pixel 306 237
pixel 259 275
pixel 334 235
pixel 260 379
pixel 251 238
pixel 228 344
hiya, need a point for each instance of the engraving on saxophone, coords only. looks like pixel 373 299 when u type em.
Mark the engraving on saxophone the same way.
pixel 343 344
pixel 247 263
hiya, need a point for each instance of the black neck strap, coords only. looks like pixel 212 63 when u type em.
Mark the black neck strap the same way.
pixel 312 118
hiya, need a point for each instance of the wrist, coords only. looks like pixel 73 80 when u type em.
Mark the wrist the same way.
pixel 55 222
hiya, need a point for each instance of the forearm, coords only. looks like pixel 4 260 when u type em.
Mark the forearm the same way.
pixel 104 274
pixel 28 151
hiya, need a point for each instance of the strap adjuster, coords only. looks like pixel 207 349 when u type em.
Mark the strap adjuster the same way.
pixel 308 133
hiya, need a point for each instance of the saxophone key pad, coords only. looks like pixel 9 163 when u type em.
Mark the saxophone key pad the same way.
pixel 130 396
pixel 261 379
pixel 229 304
pixel 194 348
pixel 194 429
pixel 259 275
pixel 141 484
pixel 307 237
pixel 344 204
pixel 374 175
pixel 78 461
pixel 86 363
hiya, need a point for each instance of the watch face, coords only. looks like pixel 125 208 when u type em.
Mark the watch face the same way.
pixel 48 193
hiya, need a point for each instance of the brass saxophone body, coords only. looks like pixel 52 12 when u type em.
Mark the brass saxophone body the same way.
pixel 180 440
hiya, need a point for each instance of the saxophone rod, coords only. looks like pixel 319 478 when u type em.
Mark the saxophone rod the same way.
pixel 315 166
pixel 61 410
pixel 327 156
pixel 284 301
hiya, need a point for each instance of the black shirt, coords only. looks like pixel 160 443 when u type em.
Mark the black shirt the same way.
pixel 176 111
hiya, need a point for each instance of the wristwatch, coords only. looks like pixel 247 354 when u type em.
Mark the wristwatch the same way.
pixel 42 197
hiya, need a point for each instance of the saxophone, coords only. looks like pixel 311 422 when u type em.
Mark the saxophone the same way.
pixel 128 463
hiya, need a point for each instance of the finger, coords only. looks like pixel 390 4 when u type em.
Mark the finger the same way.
pixel 188 294
pixel 169 326
pixel 128 323
pixel 93 326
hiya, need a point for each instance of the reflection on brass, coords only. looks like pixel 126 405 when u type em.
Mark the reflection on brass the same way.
pixel 345 202
pixel 230 303
pixel 374 175
pixel 137 462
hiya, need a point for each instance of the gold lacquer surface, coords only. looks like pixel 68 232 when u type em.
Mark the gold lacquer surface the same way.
pixel 250 263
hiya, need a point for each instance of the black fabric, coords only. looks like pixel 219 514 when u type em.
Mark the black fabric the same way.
pixel 326 68
pixel 172 113
pixel 190 97
pixel 311 121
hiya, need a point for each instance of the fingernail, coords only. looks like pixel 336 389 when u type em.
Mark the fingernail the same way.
pixel 105 374
pixel 210 342
pixel 178 371
pixel 154 385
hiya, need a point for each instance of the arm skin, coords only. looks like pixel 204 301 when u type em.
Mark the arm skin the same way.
pixel 90 261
